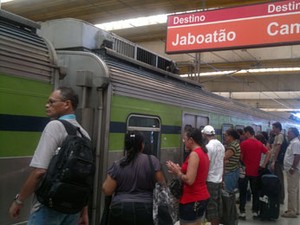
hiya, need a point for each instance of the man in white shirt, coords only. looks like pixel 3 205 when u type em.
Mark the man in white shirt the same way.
pixel 60 105
pixel 292 168
pixel 216 153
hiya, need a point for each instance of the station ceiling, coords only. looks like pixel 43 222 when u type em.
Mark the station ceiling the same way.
pixel 272 90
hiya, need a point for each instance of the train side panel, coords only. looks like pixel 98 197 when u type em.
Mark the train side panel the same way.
pixel 27 69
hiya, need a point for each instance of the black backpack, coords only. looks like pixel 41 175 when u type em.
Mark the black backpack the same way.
pixel 282 150
pixel 68 183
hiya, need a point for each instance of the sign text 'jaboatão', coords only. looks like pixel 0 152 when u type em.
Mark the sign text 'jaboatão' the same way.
pixel 276 23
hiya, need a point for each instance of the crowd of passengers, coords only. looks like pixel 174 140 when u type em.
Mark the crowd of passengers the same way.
pixel 210 170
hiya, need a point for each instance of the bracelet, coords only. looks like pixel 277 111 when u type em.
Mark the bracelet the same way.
pixel 17 200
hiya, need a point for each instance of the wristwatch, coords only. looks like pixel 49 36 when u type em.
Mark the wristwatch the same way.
pixel 17 200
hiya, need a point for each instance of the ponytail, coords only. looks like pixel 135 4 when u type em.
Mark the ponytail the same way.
pixel 133 145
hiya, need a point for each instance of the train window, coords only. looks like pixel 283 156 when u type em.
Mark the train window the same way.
pixel 202 121
pixel 196 121
pixel 193 120
pixel 257 128
pixel 150 126
pixel 237 127
pixel 225 126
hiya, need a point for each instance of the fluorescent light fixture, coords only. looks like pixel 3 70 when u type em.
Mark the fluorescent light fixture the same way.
pixel 139 21
pixel 5 1
pixel 135 22
pixel 260 95
pixel 229 72
pixel 279 110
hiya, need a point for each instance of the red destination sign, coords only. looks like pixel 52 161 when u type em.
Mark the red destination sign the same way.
pixel 275 23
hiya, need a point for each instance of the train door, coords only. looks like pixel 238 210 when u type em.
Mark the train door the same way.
pixel 150 126
pixel 194 120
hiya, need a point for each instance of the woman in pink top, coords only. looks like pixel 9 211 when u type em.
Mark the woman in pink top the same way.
pixel 193 174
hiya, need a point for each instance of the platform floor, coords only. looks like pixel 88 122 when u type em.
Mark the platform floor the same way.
pixel 250 221
pixel 280 221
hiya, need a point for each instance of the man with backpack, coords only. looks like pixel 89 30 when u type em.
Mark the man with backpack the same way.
pixel 61 105
pixel 278 151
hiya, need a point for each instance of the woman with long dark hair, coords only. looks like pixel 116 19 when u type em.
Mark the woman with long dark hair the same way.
pixel 193 174
pixel 131 181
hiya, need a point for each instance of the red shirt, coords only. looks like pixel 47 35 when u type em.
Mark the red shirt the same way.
pixel 198 190
pixel 252 150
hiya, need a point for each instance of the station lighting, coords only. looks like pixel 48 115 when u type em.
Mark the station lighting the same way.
pixel 139 21
pixel 280 110
pixel 244 71
pixel 4 1
pixel 135 22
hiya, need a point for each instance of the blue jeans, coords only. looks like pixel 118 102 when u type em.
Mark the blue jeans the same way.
pixel 191 212
pixel 47 216
pixel 231 180
pixel 131 213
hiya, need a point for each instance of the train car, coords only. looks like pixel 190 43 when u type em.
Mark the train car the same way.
pixel 27 70
pixel 121 86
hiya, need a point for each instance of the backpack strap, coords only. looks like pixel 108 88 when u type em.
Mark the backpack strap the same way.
pixel 70 128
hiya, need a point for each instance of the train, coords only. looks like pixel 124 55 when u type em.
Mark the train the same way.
pixel 121 86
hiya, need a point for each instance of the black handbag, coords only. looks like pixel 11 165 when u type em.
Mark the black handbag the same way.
pixel 176 187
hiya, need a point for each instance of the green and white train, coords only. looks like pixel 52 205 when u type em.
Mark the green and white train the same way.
pixel 121 86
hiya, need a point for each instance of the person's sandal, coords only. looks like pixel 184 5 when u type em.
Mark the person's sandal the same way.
pixel 289 214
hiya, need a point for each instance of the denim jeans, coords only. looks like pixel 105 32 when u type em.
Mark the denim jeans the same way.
pixel 231 180
pixel 47 216
pixel 254 185
pixel 191 212
pixel 131 213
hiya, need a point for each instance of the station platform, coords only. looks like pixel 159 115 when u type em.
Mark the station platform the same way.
pixel 280 221
pixel 250 221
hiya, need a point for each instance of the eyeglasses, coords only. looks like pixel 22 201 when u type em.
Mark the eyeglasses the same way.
pixel 52 101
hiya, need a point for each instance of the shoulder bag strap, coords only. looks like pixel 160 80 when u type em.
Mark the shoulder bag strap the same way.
pixel 152 168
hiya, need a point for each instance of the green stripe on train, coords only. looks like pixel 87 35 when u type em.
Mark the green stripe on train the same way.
pixel 23 96
pixel 18 143
pixel 123 106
